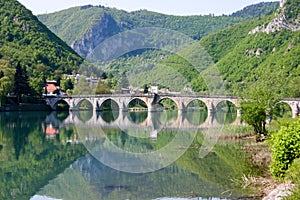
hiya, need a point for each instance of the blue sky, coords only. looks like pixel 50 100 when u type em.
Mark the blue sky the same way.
pixel 177 7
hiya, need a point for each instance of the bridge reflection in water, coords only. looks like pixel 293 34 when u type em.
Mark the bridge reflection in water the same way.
pixel 143 121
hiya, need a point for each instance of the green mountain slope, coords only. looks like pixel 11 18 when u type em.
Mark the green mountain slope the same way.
pixel 241 55
pixel 85 27
pixel 25 40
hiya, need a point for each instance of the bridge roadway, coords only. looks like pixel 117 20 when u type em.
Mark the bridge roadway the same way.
pixel 151 100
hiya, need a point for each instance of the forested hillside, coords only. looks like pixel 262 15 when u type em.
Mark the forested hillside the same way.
pixel 85 27
pixel 27 43
pixel 241 53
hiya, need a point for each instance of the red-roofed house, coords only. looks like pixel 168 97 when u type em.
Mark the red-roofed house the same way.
pixel 51 88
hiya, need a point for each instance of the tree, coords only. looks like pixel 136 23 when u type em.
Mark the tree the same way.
pixel 124 83
pixel 83 87
pixel 6 82
pixel 67 83
pixel 146 89
pixel 102 88
pixel 261 100
pixel 21 82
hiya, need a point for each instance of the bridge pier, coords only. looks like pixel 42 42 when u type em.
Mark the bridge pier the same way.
pixel 239 113
pixel 295 113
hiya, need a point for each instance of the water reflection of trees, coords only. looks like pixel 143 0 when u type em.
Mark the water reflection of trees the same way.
pixel 28 159
pixel 226 112
pixel 188 177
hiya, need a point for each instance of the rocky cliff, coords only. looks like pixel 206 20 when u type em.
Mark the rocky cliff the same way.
pixel 104 27
pixel 285 19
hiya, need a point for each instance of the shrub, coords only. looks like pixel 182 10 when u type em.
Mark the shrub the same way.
pixel 293 174
pixel 285 145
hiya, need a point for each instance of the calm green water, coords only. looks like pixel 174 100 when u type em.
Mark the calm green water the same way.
pixel 61 155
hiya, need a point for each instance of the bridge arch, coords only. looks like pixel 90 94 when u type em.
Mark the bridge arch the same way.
pixel 196 104
pixel 168 103
pixel 84 104
pixel 137 103
pixel 294 105
pixel 284 110
pixel 196 112
pixel 108 104
pixel 228 104
pixel 61 104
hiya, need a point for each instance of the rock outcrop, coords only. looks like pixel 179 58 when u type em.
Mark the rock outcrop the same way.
pixel 103 28
pixel 280 192
pixel 281 22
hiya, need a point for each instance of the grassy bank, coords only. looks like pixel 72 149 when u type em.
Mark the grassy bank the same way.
pixel 278 159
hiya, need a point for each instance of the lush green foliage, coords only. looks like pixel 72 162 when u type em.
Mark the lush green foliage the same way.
pixel 25 40
pixel 219 44
pixel 103 88
pixel 73 23
pixel 292 9
pixel 241 56
pixel 293 174
pixel 285 145
pixel 6 84
pixel 261 101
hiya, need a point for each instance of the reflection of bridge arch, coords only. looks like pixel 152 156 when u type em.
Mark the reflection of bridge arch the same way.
pixel 141 117
pixel 152 124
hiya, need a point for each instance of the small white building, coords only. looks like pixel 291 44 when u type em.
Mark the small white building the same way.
pixel 154 89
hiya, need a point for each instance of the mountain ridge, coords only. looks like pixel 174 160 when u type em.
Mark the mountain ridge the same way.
pixel 83 40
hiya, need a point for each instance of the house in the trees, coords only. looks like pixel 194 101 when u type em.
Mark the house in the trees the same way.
pixel 52 88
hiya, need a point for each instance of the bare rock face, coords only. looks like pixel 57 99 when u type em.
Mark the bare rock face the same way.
pixel 280 22
pixel 105 27
pixel 281 191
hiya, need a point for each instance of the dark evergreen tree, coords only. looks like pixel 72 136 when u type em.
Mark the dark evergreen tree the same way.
pixel 146 89
pixel 70 85
pixel 21 82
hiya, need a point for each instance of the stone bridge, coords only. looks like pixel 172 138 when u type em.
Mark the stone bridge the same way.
pixel 152 101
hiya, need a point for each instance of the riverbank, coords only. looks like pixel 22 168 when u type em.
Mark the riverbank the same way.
pixel 266 187
pixel 25 107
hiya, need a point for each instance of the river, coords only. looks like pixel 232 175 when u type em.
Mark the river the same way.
pixel 127 155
